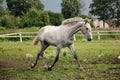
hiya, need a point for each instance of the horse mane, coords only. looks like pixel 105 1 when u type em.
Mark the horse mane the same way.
pixel 72 20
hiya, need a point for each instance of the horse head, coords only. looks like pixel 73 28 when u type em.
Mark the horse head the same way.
pixel 86 29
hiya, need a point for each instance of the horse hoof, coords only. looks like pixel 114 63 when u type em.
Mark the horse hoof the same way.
pixel 32 65
pixel 49 68
pixel 82 70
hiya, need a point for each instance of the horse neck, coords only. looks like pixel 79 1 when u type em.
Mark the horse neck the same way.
pixel 74 29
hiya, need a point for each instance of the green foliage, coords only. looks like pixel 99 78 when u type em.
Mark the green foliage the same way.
pixel 84 16
pixel 8 21
pixel 117 12
pixel 37 4
pixel 19 7
pixel 1 1
pixel 91 23
pixel 2 28
pixel 35 17
pixel 70 8
pixel 3 12
pixel 55 18
pixel 100 10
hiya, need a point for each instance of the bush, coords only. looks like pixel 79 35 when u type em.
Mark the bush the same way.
pixel 35 18
pixel 2 28
pixel 55 18
pixel 7 21
pixel 3 11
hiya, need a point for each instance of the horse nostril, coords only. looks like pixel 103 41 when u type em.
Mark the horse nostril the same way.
pixel 89 39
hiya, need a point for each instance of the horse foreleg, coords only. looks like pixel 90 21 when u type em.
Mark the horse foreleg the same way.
pixel 75 56
pixel 37 58
pixel 56 59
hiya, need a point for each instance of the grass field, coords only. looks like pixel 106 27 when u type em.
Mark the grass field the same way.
pixel 99 58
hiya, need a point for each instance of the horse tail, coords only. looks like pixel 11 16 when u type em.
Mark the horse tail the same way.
pixel 36 40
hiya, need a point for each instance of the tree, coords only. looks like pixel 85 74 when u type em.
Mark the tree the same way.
pixel 117 12
pixel 19 7
pixel 70 8
pixel 105 9
pixel 99 8
pixel 37 4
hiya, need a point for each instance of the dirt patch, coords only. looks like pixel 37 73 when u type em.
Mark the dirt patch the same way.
pixel 9 68
pixel 117 41
pixel 11 63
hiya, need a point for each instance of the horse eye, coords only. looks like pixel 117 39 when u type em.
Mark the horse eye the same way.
pixel 86 28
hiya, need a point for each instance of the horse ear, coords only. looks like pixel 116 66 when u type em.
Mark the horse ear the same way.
pixel 87 20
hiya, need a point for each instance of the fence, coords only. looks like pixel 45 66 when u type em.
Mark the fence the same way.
pixel 22 35
pixel 103 34
pixel 107 33
pixel 19 35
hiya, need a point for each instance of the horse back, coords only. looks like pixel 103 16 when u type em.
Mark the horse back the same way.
pixel 48 32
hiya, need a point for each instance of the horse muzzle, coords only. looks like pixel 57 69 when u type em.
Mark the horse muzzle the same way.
pixel 89 39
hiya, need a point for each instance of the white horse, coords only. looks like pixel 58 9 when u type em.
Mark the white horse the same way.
pixel 61 36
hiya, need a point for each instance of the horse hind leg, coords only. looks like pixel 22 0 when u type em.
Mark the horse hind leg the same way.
pixel 41 52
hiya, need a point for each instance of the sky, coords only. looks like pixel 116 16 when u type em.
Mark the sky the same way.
pixel 55 5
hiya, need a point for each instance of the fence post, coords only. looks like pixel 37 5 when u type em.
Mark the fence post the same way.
pixel 20 36
pixel 98 33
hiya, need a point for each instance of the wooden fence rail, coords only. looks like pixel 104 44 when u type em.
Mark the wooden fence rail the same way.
pixel 22 35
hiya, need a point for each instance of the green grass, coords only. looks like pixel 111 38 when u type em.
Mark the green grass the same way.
pixel 99 58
